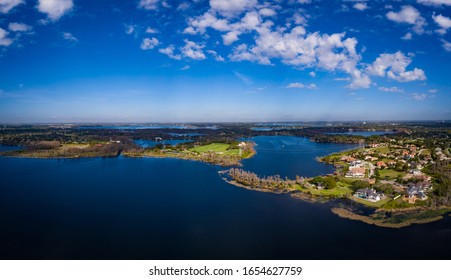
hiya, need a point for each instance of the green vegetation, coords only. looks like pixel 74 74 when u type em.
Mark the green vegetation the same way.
pixel 220 148
pixel 389 174
pixel 335 192
pixel 376 204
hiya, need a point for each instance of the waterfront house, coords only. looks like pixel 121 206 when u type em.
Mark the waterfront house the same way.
pixel 368 194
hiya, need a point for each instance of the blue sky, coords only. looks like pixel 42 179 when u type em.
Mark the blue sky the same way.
pixel 224 60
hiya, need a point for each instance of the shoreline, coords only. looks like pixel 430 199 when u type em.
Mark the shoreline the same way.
pixel 350 215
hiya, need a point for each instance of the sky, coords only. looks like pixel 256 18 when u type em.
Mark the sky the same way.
pixel 224 60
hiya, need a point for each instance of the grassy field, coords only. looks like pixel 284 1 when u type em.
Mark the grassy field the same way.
pixel 335 192
pixel 219 148
pixel 382 150
pixel 378 204
pixel 392 174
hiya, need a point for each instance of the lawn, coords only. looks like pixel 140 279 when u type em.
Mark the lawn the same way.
pixel 382 150
pixel 377 204
pixel 214 147
pixel 335 192
pixel 220 148
pixel 392 174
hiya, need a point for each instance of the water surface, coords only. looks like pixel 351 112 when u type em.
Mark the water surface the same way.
pixel 144 208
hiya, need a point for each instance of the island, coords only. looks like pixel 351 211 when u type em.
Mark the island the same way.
pixel 395 178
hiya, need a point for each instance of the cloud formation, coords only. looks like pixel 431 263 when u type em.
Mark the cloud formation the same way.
pixel 408 15
pixel 301 85
pixel 4 40
pixel 69 37
pixel 435 2
pixel 391 89
pixel 148 4
pixel 55 9
pixel 149 43
pixel 8 5
pixel 394 67
pixel 360 6
pixel 231 8
pixel 443 22
pixel 19 27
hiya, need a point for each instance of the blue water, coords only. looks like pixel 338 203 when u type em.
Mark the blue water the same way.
pixel 185 134
pixel 363 133
pixel 289 156
pixel 144 208
pixel 151 144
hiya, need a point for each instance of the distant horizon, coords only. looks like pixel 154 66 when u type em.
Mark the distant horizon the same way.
pixel 222 122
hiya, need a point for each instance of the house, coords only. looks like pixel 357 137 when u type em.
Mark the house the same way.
pixel 391 163
pixel 415 172
pixel 368 194
pixel 381 164
pixel 355 172
pixel 416 192
pixel 370 158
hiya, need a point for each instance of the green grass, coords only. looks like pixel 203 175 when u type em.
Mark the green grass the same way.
pixel 335 192
pixel 214 147
pixel 382 150
pixel 392 174
pixel 377 204
pixel 220 148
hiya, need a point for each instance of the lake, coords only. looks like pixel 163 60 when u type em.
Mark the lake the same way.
pixel 362 133
pixel 151 143
pixel 147 208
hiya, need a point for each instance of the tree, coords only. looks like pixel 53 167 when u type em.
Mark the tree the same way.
pixel 329 183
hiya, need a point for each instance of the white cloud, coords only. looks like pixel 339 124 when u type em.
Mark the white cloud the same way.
pixel 215 55
pixel 391 89
pixel 433 90
pixel 394 67
pixel 243 78
pixel 409 15
pixel 446 45
pixel 293 47
pixel 312 74
pixel 151 30
pixel 443 22
pixel 149 43
pixel 301 85
pixel 183 6
pixel 198 25
pixel 8 5
pixel 435 2
pixel 55 9
pixel 342 79
pixel 184 68
pixel 193 50
pixel 19 27
pixel 408 36
pixel 68 36
pixel 267 12
pixel 129 29
pixel 360 6
pixel 4 40
pixel 148 4
pixel 169 51
pixel 231 8
pixel 304 1
pixel 419 97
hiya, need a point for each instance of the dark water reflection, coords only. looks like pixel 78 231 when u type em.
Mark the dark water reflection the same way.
pixel 122 208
